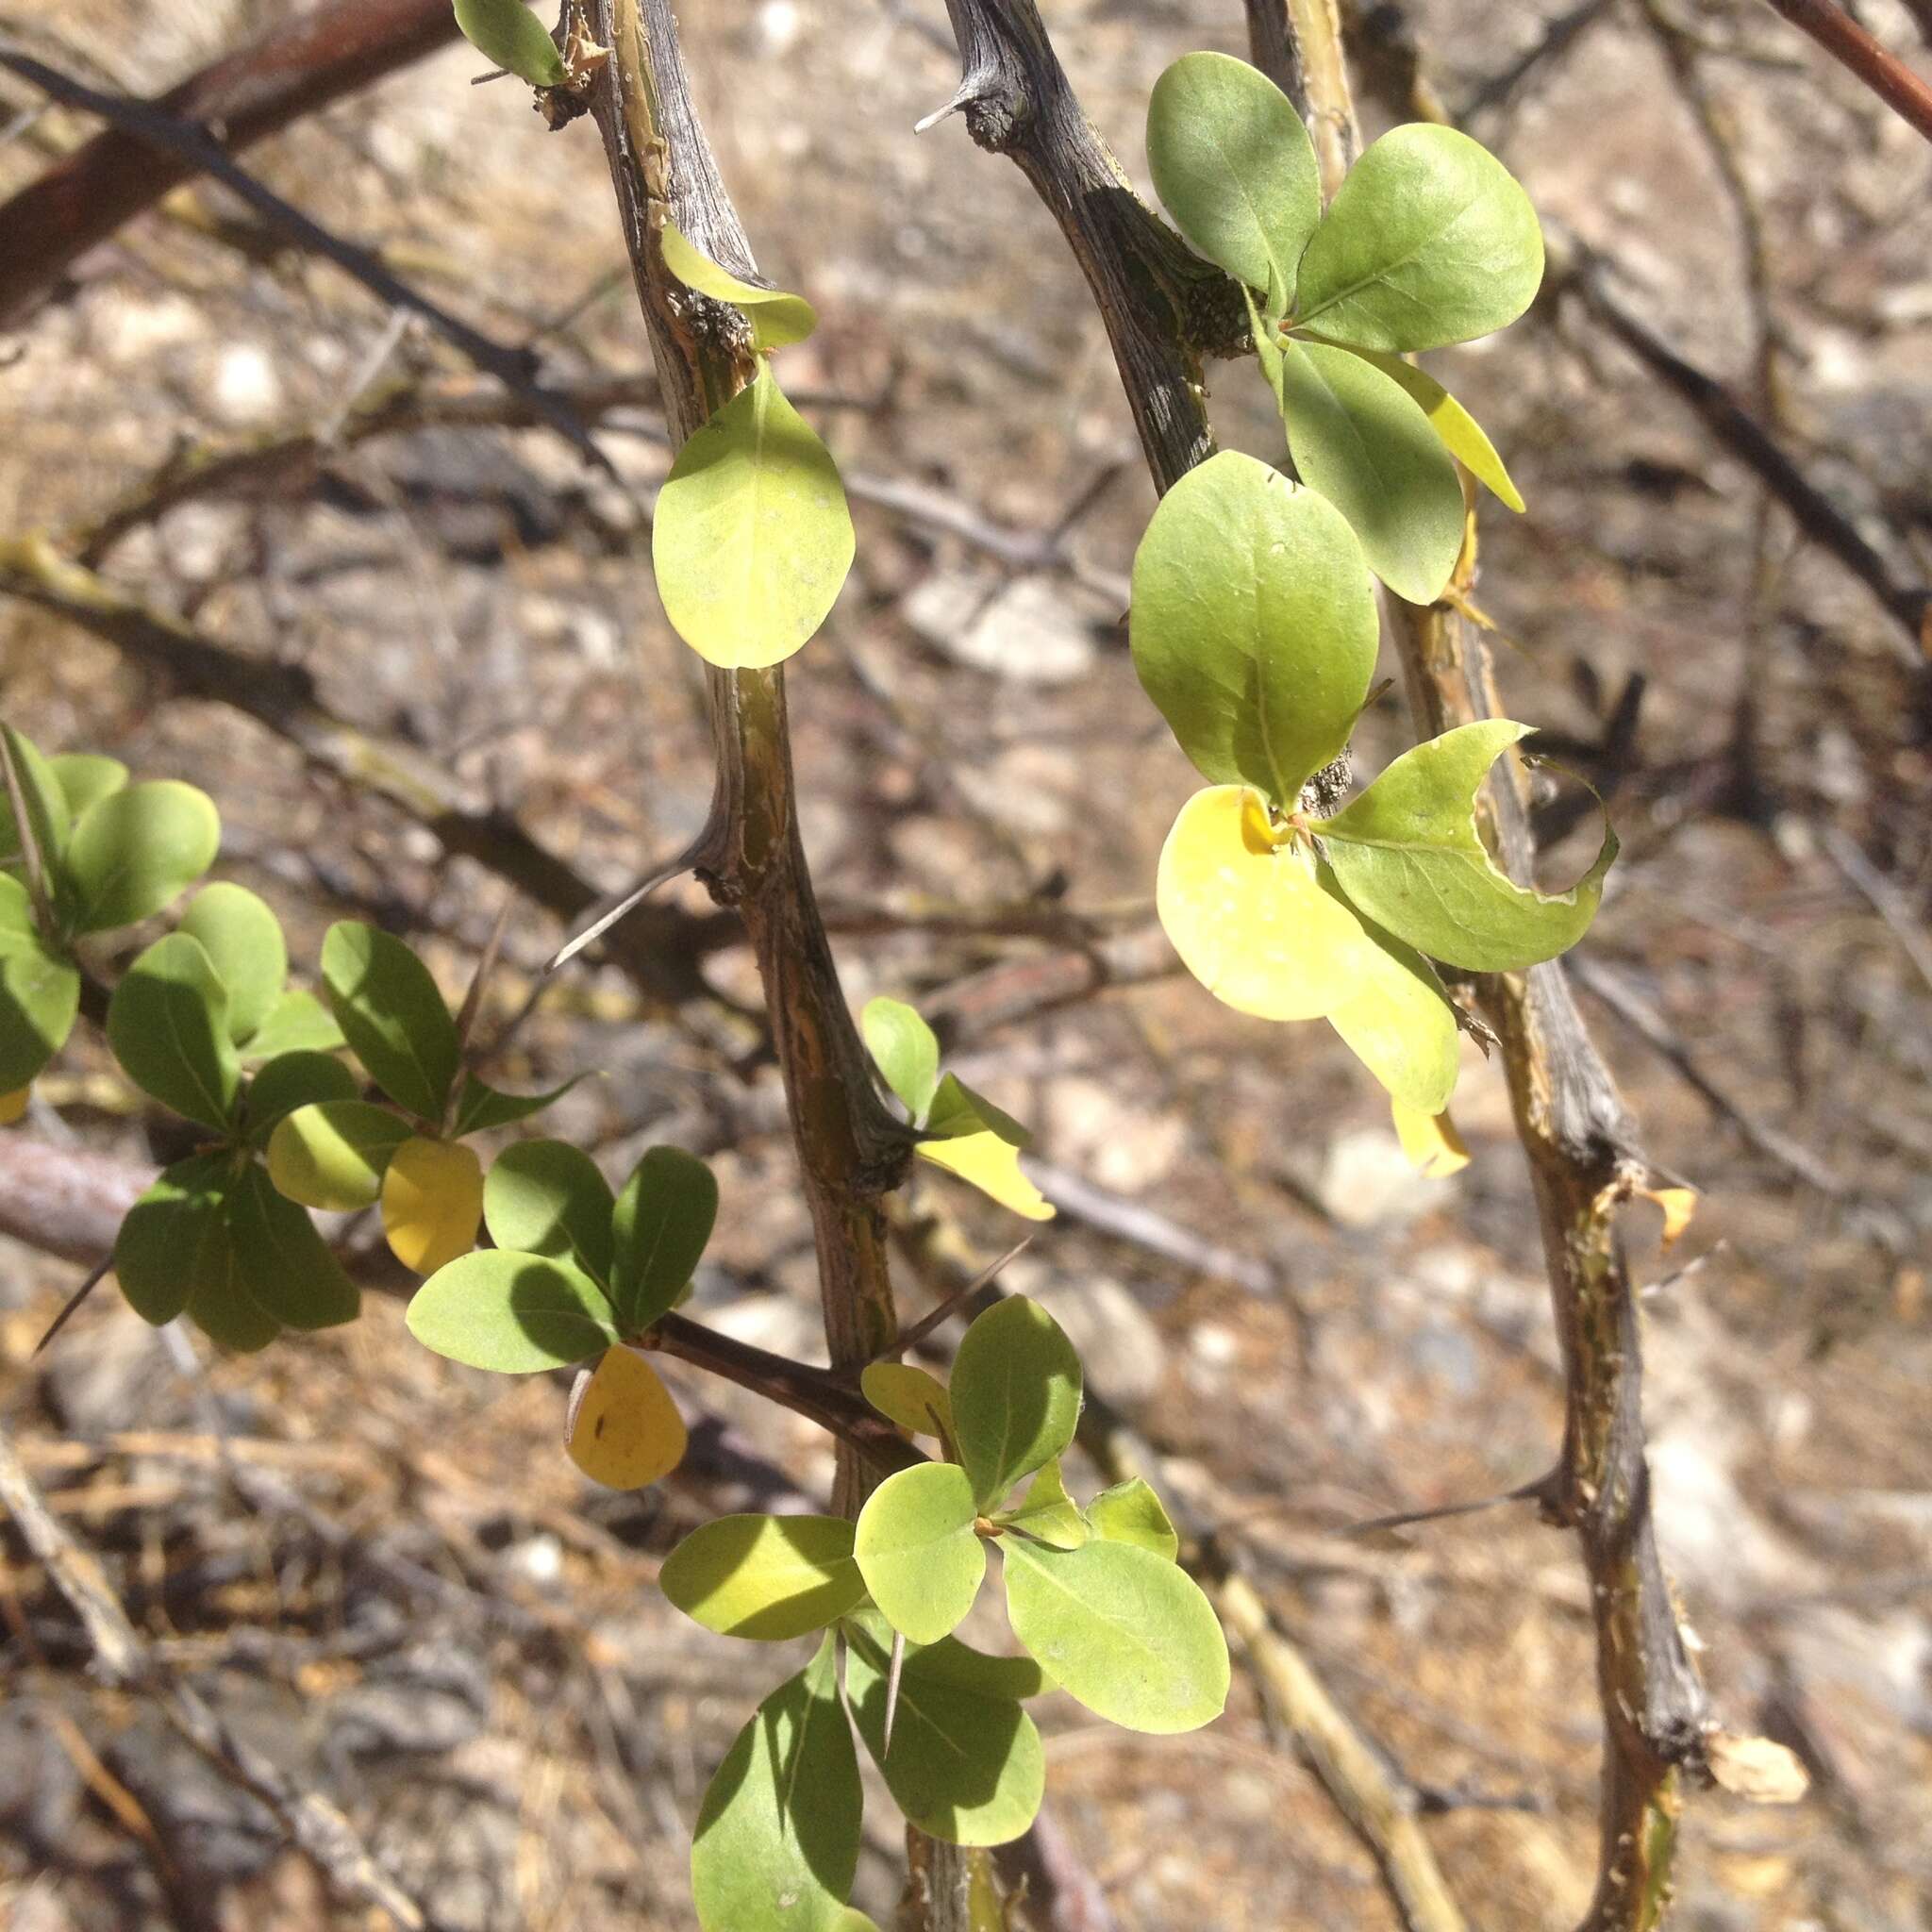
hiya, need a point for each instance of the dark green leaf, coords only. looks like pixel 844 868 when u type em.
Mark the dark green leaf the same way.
pixel 481 1107
pixel 135 851
pixel 395 1019
pixel 511 1312
pixel 546 1197
pixel 168 1025
pixel 1016 1396
pixel 664 1219
pixel 948 1661
pixel 291 1080
pixel 40 995
pixel 174 1237
pixel 764 1577
pixel 244 941
pixel 286 1265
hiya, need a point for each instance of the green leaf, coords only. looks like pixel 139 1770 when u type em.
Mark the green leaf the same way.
pixel 1253 625
pixel 546 1197
pixel 1363 442
pixel 514 1313
pixel 85 776
pixel 1016 1396
pixel 777 1838
pixel 909 1396
pixel 1429 241
pixel 286 1266
pixel 764 1577
pixel 168 1025
pixel 40 995
pixel 957 1111
pixel 663 1218
pixel 291 1081
pixel 133 852
pixel 1130 1512
pixel 1242 908
pixel 949 1661
pixel 776 317
pixel 16 906
pixel 244 941
pixel 332 1153
pixel 1399 1022
pixel 46 807
pixel 1047 1512
pixel 298 1022
pixel 1123 1630
pixel 906 1051
pixel 752 539
pixel 965 1768
pixel 1407 852
pixel 1461 434
pixel 916 1547
pixel 220 1304
pixel 479 1107
pixel 1234 166
pixel 172 1236
pixel 393 1018
pixel 506 32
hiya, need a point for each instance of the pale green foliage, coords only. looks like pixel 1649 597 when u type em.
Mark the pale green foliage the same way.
pixel 302 1078
pixel 765 1577
pixel 1461 434
pixel 775 317
pixel 906 1051
pixel 1130 1512
pixel 244 941
pixel 40 995
pixel 135 849
pixel 1016 1396
pixel 1047 1512
pixel 659 1227
pixel 1398 1022
pixel 916 1548
pixel 506 32
pixel 546 1197
pixel 909 1396
pixel 512 1312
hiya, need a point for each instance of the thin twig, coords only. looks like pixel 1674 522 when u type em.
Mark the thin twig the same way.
pixel 1909 97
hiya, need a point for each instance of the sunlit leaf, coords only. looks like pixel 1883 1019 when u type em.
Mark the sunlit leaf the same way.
pixel 1460 433
pixel 168 1025
pixel 775 317
pixel 764 1577
pixel 625 1429
pixel 1234 166
pixel 285 1264
pixel 546 1197
pixel 991 1165
pixel 1016 1396
pixel 298 1022
pixel 1429 241
pixel 1130 1512
pixel 1363 442
pixel 16 906
pixel 1252 623
pixel 171 1236
pixel 480 1108
pixel 244 941
pixel 40 995
pixel 1047 1512
pixel 331 1154
pixel 963 1767
pixel 506 32
pixel 752 539
pixel 1121 1628
pixel 778 1835
pixel 514 1313
pixel 84 777
pixel 291 1080
pixel 661 1223
pixel 48 812
pixel 1430 1140
pixel 909 1396
pixel 1408 852
pixel 906 1051
pixel 432 1202
pixel 395 1019
pixel 1247 915
pixel 916 1547
pixel 134 851
pixel 957 1111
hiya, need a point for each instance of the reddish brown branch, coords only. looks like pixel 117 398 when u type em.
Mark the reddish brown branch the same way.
pixel 1909 97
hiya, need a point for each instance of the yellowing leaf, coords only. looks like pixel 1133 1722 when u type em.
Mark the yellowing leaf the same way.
pixel 1430 1140
pixel 909 1396
pixel 432 1201
pixel 775 317
pixel 1678 1206
pixel 1462 435
pixel 1248 916
pixel 624 1430
pixel 992 1166
pixel 13 1105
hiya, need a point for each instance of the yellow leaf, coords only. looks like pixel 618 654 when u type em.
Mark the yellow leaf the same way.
pixel 909 1396
pixel 1430 1140
pixel 992 1166
pixel 13 1105
pixel 1755 1769
pixel 1678 1206
pixel 1247 916
pixel 432 1201
pixel 623 1430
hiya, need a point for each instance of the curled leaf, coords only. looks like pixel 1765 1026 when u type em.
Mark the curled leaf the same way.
pixel 1430 1140
pixel 775 317
pixel 506 32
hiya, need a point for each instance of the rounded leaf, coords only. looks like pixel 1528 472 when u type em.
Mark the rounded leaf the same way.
pixel 764 1577
pixel 285 1265
pixel 298 1022
pixel 133 851
pixel 1253 625
pixel 916 1548
pixel 289 1081
pixel 243 939
pixel 624 1430
pixel 392 1014
pixel 1430 241
pixel 168 1025
pixel 547 1197
pixel 909 1396
pixel 1461 434
pixel 1047 1512
pixel 752 538
pixel 1400 1024
pixel 907 1051
pixel 84 777
pixel 658 1230
pixel 1130 1512
pixel 511 1312
pixel 332 1153
pixel 506 32
pixel 172 1237
pixel 40 995
pixel 432 1202
pixel 1016 1397
pixel 1234 166
pixel 1246 914
pixel 1121 1628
